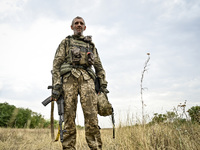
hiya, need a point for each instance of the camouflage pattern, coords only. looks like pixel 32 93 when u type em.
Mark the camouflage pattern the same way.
pixel 103 105
pixel 78 81
pixel 63 58
pixel 73 86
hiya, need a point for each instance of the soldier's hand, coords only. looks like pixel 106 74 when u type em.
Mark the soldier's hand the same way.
pixel 104 89
pixel 57 91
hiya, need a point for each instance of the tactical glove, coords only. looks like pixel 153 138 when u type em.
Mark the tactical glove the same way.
pixel 57 91
pixel 103 89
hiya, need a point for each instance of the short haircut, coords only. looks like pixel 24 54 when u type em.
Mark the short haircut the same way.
pixel 77 18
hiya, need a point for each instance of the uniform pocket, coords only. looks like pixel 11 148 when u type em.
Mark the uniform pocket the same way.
pixel 66 77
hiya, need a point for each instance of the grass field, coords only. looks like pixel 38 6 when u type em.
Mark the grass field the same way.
pixel 155 137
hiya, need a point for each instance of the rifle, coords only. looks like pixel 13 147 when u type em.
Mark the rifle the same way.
pixel 60 104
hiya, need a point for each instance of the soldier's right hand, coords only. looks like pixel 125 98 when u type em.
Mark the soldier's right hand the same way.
pixel 57 91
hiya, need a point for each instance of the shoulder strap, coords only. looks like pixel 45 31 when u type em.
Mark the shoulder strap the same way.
pixel 67 52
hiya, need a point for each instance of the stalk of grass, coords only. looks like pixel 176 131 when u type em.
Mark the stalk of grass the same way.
pixel 142 88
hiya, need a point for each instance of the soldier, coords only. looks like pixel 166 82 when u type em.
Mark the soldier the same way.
pixel 73 73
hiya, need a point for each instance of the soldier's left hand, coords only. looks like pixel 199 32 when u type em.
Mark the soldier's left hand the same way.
pixel 57 90
pixel 104 89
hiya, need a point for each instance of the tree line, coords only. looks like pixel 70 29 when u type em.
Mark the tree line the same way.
pixel 175 117
pixel 11 116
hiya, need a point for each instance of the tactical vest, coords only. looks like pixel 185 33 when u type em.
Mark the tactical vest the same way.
pixel 79 53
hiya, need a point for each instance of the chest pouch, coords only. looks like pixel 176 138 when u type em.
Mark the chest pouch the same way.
pixel 76 55
pixel 90 57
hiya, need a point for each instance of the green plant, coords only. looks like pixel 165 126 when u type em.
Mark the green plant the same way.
pixel 158 118
pixel 194 113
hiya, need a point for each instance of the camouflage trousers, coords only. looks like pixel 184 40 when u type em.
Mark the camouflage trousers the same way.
pixel 73 87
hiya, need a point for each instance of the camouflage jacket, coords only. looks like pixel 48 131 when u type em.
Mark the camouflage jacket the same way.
pixel 64 64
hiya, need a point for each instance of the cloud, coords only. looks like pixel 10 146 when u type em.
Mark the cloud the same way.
pixel 123 33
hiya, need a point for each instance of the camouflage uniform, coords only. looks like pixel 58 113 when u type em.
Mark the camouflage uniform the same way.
pixel 77 78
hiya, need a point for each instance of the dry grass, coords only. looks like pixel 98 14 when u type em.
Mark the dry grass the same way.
pixel 155 137
pixel 27 139
pixel 159 137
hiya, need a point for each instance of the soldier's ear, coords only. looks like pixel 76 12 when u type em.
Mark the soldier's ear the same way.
pixel 72 27
pixel 84 28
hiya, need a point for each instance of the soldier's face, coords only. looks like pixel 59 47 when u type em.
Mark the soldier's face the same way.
pixel 78 26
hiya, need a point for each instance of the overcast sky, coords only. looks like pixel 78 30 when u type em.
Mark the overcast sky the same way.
pixel 124 32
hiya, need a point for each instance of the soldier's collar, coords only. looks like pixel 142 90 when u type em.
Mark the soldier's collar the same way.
pixel 78 37
pixel 81 37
